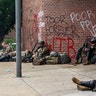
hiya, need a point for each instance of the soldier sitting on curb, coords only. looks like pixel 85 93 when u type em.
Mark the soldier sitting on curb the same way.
pixel 85 85
pixel 82 52
pixel 40 53
pixel 91 54
pixel 6 53
pixel 87 52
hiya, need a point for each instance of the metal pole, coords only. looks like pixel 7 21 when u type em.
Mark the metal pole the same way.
pixel 18 37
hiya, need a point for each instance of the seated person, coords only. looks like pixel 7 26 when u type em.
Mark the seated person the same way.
pixel 82 50
pixel 41 52
pixel 6 48
pixel 91 52
pixel 39 55
pixel 85 85
pixel 5 55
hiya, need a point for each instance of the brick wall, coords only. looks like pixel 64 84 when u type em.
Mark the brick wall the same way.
pixel 30 22
pixel 10 35
pixel 63 24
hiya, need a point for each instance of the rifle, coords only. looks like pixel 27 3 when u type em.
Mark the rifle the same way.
pixel 34 47
pixel 28 58
pixel 31 53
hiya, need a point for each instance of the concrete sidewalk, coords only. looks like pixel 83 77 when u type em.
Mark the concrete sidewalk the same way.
pixel 47 80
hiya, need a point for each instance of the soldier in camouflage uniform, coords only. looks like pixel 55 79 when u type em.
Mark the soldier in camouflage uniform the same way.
pixel 5 54
pixel 82 52
pixel 40 53
pixel 91 53
pixel 7 48
pixel 87 52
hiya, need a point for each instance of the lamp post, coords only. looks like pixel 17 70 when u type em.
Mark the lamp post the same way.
pixel 18 37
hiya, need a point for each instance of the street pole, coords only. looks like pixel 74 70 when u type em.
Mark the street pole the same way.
pixel 18 37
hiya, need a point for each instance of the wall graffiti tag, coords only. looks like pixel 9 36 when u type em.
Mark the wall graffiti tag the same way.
pixel 41 25
pixel 84 18
pixel 59 27
pixel 34 24
pixel 60 46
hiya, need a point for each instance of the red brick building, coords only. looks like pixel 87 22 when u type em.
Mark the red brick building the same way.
pixel 63 24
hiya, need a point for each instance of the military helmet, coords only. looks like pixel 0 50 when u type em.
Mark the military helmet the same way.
pixel 41 42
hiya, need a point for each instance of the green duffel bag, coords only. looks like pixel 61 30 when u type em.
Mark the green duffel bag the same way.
pixel 51 60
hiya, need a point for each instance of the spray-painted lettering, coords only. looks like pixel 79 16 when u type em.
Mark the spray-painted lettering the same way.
pixel 81 16
pixel 58 44
pixel 84 18
pixel 59 27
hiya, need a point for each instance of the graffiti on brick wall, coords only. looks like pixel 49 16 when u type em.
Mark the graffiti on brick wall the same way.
pixel 41 25
pixel 32 29
pixel 34 24
pixel 59 27
pixel 62 45
pixel 37 24
pixel 84 18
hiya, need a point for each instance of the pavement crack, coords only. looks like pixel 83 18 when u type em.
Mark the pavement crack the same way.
pixel 31 87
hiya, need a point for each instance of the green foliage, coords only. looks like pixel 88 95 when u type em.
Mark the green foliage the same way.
pixel 7 17
pixel 9 40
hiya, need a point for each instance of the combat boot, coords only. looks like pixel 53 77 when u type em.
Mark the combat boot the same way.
pixel 87 63
pixel 75 80
pixel 76 62
pixel 82 88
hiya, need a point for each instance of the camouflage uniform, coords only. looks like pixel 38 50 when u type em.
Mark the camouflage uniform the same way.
pixel 6 54
pixel 8 49
pixel 40 54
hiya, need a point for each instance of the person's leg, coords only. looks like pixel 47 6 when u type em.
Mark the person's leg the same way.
pixel 88 56
pixel 78 54
pixel 3 58
pixel 90 84
pixel 82 88
pixel 84 85
pixel 93 59
pixel 79 86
